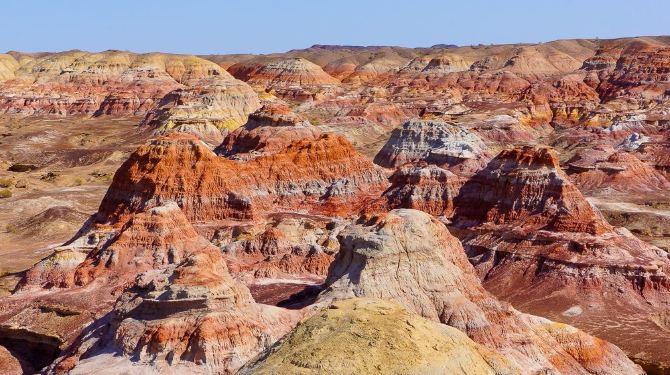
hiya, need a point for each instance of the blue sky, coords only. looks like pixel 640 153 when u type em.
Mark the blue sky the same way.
pixel 207 26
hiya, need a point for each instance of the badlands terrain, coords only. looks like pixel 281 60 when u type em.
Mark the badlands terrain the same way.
pixel 490 209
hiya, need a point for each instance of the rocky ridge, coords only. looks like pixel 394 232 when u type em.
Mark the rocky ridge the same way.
pixel 410 258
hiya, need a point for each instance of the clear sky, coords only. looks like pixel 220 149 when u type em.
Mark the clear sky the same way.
pixel 263 26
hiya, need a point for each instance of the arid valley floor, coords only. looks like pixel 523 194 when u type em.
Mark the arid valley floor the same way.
pixel 490 209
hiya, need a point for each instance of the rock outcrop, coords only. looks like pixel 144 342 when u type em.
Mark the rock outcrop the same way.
pixel 435 142
pixel 527 185
pixel 9 364
pixel 292 79
pixel 269 130
pixel 428 188
pixel 192 318
pixel 410 258
pixel 209 110
pixel 288 246
pixel 394 340
pixel 153 239
pixel 325 173
pixel 94 84
pixel 614 171
pixel 538 243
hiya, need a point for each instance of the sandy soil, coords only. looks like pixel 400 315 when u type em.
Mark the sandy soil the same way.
pixel 71 164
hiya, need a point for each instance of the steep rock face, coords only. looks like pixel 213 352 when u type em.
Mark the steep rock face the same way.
pixel 269 130
pixel 325 173
pixel 394 340
pixel 94 84
pixel 422 187
pixel 536 242
pixel 527 185
pixel 209 109
pixel 434 142
pixel 193 318
pixel 410 258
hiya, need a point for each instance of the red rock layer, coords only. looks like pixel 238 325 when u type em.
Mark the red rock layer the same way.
pixel 656 154
pixel 191 318
pixel 526 185
pixel 153 239
pixel 424 187
pixel 620 171
pixel 272 253
pixel 108 83
pixel 9 364
pixel 641 72
pixel 536 241
pixel 325 173
pixel 268 130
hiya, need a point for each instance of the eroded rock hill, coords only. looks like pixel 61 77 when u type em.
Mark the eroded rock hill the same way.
pixel 394 341
pixel 325 174
pixel 410 258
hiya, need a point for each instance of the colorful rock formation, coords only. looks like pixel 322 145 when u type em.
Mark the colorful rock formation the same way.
pixel 434 142
pixel 537 242
pixel 153 282
pixel 209 110
pixel 194 317
pixel 325 173
pixel 527 185
pixel 293 79
pixel 423 187
pixel 107 83
pixel 618 171
pixel 410 258
pixel 269 130
pixel 393 339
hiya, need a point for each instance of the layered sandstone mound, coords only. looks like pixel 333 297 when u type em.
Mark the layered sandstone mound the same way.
pixel 192 318
pixel 288 72
pixel 641 72
pixel 409 257
pixel 106 83
pixel 211 108
pixel 394 340
pixel 536 242
pixel 154 239
pixel 325 173
pixel 434 142
pixel 566 101
pixel 422 187
pixel 527 185
pixel 8 65
pixel 612 170
pixel 287 246
pixel 268 130
pixel 373 71
pixel 292 78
